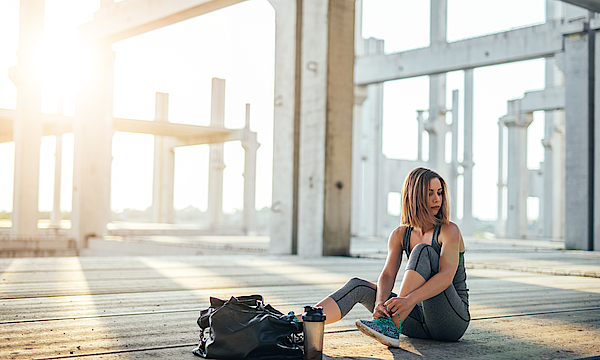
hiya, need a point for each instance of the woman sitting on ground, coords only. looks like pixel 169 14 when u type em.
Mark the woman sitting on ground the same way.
pixel 433 301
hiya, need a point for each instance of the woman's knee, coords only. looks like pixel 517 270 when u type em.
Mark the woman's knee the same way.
pixel 354 282
pixel 421 247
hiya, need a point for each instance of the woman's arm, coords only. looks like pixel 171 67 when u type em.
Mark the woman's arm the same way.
pixel 449 238
pixel 386 280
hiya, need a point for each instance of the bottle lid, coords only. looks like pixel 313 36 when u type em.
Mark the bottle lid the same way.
pixel 313 314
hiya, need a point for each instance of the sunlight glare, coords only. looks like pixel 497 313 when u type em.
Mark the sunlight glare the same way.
pixel 63 64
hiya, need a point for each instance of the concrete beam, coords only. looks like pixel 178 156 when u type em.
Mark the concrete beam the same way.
pixel 592 5
pixel 509 46
pixel 189 134
pixel 54 124
pixel 121 20
pixel 552 98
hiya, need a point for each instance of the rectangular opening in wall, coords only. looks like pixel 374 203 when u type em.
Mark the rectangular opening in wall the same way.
pixel 533 209
pixel 535 135
pixel 448 147
pixel 393 202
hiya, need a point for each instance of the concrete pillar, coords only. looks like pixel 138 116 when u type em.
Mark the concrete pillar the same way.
pixel 359 160
pixel 421 127
pixel 216 164
pixel 324 192
pixel 500 225
pixel 454 162
pixel 163 184
pixel 436 125
pixel 558 174
pixel 551 202
pixel 579 141
pixel 93 131
pixel 27 128
pixel 56 215
pixel 518 175
pixel 250 145
pixel 284 209
pixel 367 153
pixel 595 25
pixel 357 226
pixel 468 223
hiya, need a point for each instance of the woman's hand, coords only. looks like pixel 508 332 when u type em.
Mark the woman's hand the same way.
pixel 380 311
pixel 396 305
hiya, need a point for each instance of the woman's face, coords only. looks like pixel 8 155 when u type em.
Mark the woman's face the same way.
pixel 435 196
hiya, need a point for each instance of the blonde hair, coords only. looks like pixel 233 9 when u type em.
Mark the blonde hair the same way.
pixel 414 197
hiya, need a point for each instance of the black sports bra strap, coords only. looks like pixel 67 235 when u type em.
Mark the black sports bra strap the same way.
pixel 434 240
pixel 406 240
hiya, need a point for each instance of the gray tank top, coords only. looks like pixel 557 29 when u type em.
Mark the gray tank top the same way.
pixel 460 278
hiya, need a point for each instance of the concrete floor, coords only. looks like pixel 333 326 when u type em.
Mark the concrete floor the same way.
pixel 529 300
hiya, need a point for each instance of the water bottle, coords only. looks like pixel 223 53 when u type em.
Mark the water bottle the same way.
pixel 314 328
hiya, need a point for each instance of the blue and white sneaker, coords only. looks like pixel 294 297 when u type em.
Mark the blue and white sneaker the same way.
pixel 382 330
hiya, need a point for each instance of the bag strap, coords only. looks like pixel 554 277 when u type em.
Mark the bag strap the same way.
pixel 250 300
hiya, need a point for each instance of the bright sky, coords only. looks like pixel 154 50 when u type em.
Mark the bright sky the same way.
pixel 237 44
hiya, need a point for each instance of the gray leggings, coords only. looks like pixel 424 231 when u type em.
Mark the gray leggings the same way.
pixel 443 317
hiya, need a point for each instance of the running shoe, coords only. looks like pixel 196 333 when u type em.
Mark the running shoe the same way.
pixel 382 330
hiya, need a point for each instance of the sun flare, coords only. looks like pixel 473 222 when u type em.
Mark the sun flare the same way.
pixel 63 64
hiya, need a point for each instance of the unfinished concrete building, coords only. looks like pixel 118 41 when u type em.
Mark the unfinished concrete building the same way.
pixel 566 179
pixel 330 177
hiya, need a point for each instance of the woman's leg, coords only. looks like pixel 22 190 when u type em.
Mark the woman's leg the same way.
pixel 330 309
pixel 411 281
pixel 355 291
pixel 442 317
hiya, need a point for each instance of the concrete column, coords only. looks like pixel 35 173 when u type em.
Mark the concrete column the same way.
pixel 250 145
pixel 579 142
pixel 359 159
pixel 374 210
pixel 595 24
pixel 518 175
pixel 500 226
pixel 357 226
pixel 454 167
pixel 552 165
pixel 421 127
pixel 436 125
pixel 216 164
pixel 324 198
pixel 27 128
pixel 558 174
pixel 56 215
pixel 468 223
pixel 163 184
pixel 285 127
pixel 93 131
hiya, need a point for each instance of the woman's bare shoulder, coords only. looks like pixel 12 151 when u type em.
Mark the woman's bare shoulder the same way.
pixel 450 232
pixel 397 235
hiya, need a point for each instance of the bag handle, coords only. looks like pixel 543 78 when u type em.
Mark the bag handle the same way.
pixel 216 303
